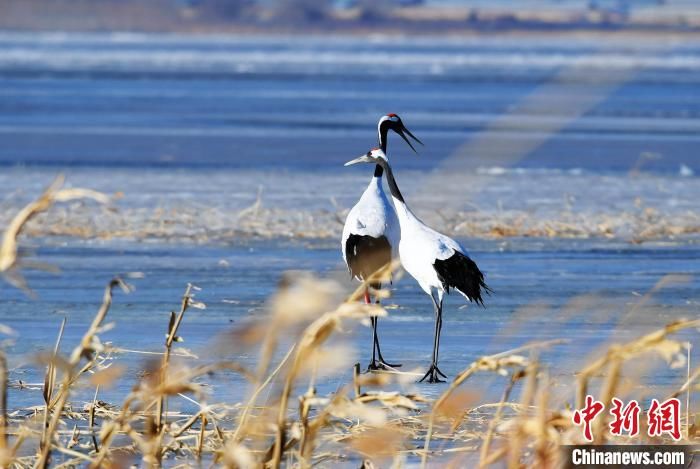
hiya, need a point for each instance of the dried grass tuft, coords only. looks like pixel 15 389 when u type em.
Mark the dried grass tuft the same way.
pixel 9 257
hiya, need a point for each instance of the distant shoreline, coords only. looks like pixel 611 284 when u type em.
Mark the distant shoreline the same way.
pixel 356 31
pixel 299 17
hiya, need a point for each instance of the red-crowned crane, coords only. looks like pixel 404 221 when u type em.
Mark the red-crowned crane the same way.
pixel 371 232
pixel 437 262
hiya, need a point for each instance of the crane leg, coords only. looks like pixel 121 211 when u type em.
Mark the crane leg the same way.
pixel 433 374
pixel 382 363
pixel 378 362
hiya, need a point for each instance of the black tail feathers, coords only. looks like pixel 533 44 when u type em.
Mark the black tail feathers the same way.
pixel 462 273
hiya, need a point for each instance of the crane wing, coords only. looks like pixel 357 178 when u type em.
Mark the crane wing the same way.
pixel 366 254
pixel 461 273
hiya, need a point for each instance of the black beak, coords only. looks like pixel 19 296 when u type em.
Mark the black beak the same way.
pixel 401 132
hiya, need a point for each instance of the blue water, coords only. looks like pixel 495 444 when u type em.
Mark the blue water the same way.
pixel 296 102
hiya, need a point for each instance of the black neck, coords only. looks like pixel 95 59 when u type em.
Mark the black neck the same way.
pixel 393 187
pixel 383 132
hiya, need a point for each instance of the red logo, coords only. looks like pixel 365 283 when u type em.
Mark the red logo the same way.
pixel 663 418
pixel 586 415
pixel 625 419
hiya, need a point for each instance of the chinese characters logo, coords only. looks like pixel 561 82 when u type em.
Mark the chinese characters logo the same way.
pixel 662 417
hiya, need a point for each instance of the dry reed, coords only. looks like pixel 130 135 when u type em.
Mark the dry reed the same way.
pixel 9 248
